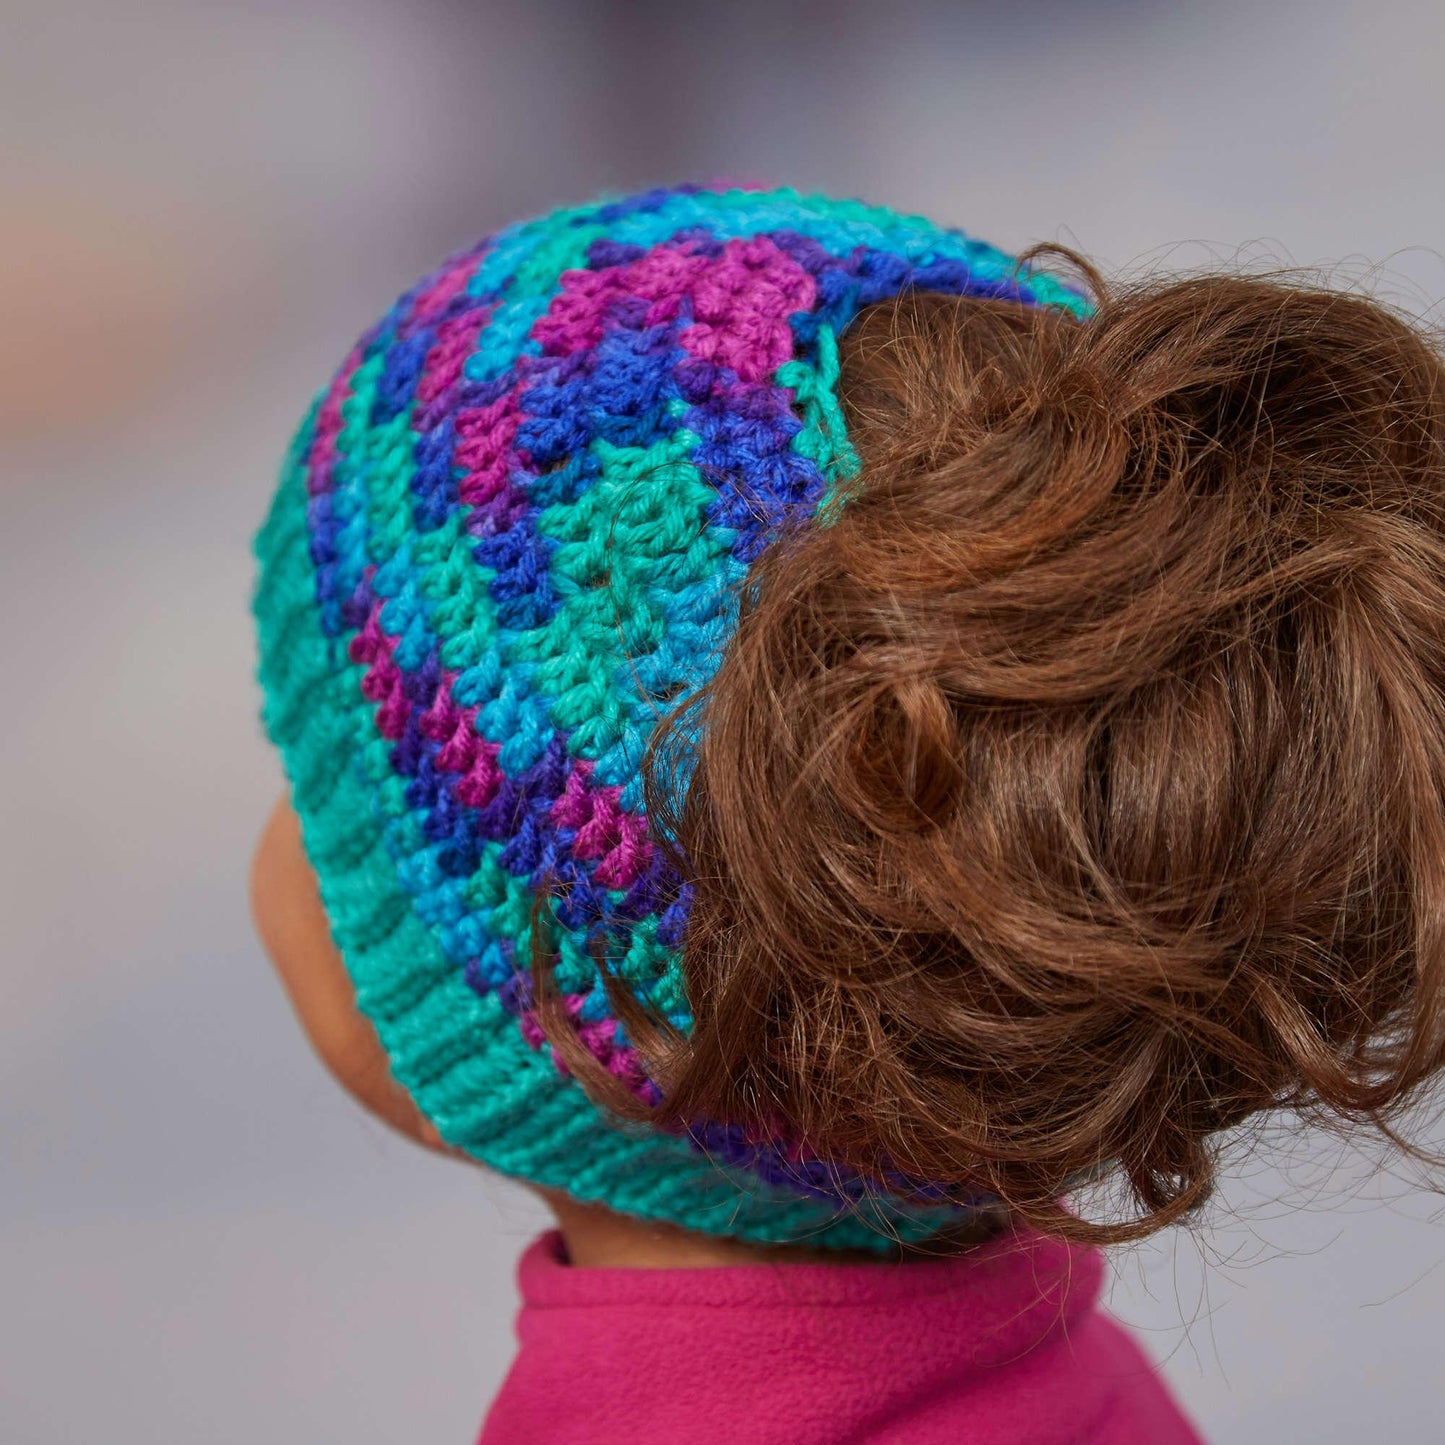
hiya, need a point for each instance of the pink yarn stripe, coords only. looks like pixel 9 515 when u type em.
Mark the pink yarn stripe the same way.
pixel 740 303
pixel 600 1040
pixel 484 447
pixel 741 307
pixel 450 283
pixel 604 831
pixel 456 339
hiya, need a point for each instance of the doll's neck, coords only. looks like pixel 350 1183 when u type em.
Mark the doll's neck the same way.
pixel 597 1236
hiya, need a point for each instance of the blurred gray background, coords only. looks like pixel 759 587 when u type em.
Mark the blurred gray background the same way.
pixel 200 1239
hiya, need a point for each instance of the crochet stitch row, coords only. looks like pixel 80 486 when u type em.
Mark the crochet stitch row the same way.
pixel 510 535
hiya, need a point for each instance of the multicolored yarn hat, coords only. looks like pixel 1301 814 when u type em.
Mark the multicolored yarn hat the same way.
pixel 512 525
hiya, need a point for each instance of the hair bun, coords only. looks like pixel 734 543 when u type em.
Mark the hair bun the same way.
pixel 1077 790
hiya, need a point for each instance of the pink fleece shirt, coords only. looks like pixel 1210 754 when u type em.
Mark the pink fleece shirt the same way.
pixel 1003 1344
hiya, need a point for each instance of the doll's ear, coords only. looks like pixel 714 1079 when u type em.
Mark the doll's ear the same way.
pixel 293 928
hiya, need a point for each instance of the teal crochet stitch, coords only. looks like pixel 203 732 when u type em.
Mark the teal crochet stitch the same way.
pixel 508 535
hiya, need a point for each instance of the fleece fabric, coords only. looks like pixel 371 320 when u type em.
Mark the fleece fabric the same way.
pixel 1005 1343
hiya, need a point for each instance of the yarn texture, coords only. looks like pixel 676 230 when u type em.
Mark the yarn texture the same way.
pixel 508 537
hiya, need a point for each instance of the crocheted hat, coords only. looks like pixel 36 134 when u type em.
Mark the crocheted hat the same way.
pixel 511 528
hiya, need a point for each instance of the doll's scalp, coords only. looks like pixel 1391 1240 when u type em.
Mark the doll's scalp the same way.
pixel 1076 788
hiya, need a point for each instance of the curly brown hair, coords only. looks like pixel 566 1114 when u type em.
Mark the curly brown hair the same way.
pixel 1073 788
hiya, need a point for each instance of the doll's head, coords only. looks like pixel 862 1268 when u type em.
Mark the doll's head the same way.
pixel 806 726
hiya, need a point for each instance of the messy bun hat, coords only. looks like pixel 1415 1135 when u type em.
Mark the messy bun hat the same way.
pixel 509 537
